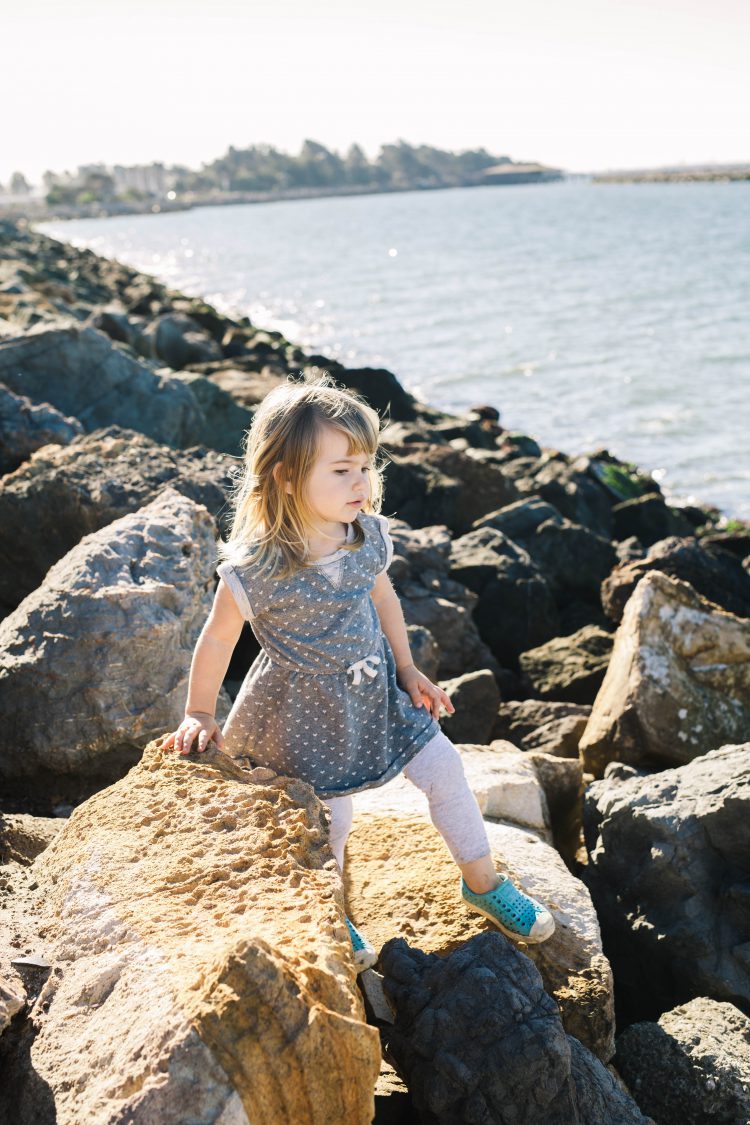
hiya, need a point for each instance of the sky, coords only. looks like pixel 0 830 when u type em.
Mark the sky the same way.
pixel 583 85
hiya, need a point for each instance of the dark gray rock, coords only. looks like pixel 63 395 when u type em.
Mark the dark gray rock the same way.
pixel 692 1067
pixel 569 487
pixel 179 340
pixel 95 662
pixel 540 724
pixel 649 518
pixel 434 601
pixel 431 482
pixel 475 696
pixel 82 373
pixel 568 669
pixel 562 782
pixel 26 426
pixel 669 873
pixel 66 492
pixel 226 419
pixel 515 610
pixel 715 573
pixel 419 492
pixel 573 559
pixel 477 1039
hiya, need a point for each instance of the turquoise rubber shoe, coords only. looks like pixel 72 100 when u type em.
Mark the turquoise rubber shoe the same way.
pixel 364 954
pixel 518 915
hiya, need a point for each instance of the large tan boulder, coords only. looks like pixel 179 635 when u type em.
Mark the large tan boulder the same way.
pixel 192 914
pixel 402 882
pixel 678 682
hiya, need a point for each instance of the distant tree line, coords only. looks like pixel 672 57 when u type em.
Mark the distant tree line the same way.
pixel 264 168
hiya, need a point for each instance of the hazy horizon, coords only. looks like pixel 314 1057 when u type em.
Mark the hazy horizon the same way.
pixel 599 85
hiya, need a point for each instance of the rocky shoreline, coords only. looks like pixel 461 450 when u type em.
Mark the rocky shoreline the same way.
pixel 595 641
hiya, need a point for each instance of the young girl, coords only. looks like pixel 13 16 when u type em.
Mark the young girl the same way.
pixel 333 697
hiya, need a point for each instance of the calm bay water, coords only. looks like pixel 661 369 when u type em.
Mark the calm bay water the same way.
pixel 589 314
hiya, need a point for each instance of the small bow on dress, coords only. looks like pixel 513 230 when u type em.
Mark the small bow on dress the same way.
pixel 360 666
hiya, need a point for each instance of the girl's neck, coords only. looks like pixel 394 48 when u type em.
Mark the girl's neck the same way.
pixel 318 547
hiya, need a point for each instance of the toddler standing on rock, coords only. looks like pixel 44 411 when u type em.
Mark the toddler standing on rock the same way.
pixel 333 697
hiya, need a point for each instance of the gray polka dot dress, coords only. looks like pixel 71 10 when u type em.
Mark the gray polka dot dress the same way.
pixel 321 701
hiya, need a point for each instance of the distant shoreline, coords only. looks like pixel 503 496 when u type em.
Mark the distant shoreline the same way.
pixel 39 212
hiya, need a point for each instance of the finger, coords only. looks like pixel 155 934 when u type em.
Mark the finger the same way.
pixel 446 701
pixel 416 698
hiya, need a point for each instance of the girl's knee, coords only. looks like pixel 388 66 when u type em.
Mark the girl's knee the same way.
pixel 437 767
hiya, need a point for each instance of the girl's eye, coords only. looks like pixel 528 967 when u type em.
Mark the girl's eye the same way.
pixel 365 469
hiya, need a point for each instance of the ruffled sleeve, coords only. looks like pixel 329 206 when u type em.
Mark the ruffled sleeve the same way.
pixel 387 541
pixel 233 580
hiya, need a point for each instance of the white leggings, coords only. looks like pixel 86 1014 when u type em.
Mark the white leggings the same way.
pixel 438 771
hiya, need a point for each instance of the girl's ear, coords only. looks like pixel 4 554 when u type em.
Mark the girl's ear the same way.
pixel 277 476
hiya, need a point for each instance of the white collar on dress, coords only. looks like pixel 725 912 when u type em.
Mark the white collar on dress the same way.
pixel 350 537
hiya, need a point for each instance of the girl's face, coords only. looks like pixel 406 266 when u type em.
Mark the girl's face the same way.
pixel 339 483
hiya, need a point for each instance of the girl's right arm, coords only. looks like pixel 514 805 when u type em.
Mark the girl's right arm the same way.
pixel 213 651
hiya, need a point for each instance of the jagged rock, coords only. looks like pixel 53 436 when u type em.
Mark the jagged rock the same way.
pixel 566 483
pixel 478 1039
pixel 506 786
pixel 432 600
pixel 515 610
pixel 226 420
pixel 668 871
pixel 544 725
pixel 424 649
pixel 715 573
pixel 692 1067
pixel 649 518
pixel 418 491
pixel 179 340
pixel 17 938
pixel 82 373
pixel 26 426
pixel 562 782
pixel 23 837
pixel 66 492
pixel 573 559
pixel 200 966
pixel 568 669
pixel 401 880
pixel 484 484
pixel 380 387
pixel 247 388
pixel 678 682
pixel 476 697
pixel 96 660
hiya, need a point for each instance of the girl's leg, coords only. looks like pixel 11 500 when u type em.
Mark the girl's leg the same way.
pixel 438 771
pixel 342 813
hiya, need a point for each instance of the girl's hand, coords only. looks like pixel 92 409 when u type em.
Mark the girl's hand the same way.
pixel 423 691
pixel 196 724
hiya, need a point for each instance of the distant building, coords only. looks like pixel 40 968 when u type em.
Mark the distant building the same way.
pixel 85 170
pixel 152 179
pixel 520 174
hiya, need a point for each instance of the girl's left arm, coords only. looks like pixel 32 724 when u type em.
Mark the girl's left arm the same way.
pixel 391 615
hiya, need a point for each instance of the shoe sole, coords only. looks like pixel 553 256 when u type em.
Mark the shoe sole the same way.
pixel 535 940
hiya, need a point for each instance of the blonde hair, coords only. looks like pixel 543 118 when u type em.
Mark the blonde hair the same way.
pixel 269 524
